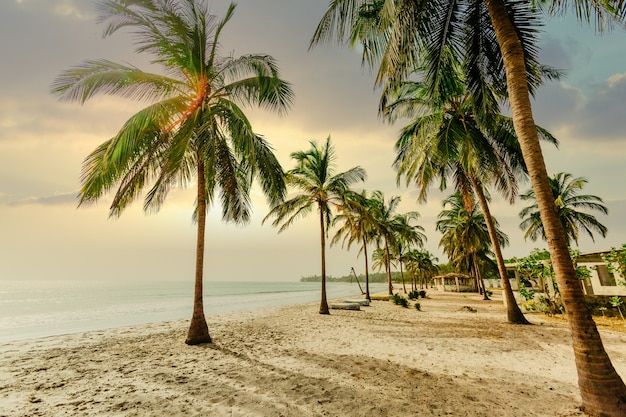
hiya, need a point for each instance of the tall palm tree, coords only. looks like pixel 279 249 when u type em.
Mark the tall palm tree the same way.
pixel 318 187
pixel 446 138
pixel 568 202
pixel 194 127
pixel 356 225
pixel 391 227
pixel 498 42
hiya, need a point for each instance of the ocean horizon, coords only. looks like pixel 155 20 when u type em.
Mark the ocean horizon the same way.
pixel 32 309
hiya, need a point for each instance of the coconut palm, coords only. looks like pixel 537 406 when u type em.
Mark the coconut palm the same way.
pixel 392 227
pixel 421 263
pixel 465 238
pixel 194 127
pixel 568 202
pixel 356 225
pixel 498 41
pixel 447 139
pixel 318 187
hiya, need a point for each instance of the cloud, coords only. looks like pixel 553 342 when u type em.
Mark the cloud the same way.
pixel 67 8
pixel 61 199
pixel 597 115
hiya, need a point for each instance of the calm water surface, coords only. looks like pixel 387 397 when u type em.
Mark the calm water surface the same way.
pixel 30 309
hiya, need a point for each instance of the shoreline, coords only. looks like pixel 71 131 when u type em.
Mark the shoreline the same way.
pixel 43 309
pixel 384 360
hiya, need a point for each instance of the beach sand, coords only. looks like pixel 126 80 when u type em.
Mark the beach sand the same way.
pixel 384 360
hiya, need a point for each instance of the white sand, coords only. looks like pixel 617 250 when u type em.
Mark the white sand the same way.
pixel 290 361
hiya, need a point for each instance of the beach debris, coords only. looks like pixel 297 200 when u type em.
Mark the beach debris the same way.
pixel 346 306
pixel 468 309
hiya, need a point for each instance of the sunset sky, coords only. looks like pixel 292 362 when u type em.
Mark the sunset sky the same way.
pixel 43 235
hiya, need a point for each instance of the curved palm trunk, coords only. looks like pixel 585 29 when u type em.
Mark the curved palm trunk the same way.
pixel 367 274
pixel 402 276
pixel 513 312
pixel 198 330
pixel 323 303
pixel 602 390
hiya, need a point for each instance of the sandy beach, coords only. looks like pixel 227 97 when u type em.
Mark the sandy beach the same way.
pixel 384 360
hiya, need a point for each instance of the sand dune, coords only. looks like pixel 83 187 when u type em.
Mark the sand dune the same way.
pixel 381 361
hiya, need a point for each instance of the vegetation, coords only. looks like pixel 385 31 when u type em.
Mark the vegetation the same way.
pixel 617 302
pixel 377 277
pixel 393 230
pixel 497 42
pixel 449 138
pixel 194 128
pixel 465 238
pixel 616 262
pixel 319 188
pixel 569 203
pixel 399 300
pixel 357 225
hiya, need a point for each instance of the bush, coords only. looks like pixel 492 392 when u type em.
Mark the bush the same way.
pixel 414 295
pixel 422 293
pixel 418 307
pixel 400 300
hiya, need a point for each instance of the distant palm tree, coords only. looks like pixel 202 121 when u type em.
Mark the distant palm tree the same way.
pixel 356 225
pixel 318 188
pixel 392 227
pixel 568 203
pixel 465 238
pixel 194 128
pixel 421 263
pixel 380 259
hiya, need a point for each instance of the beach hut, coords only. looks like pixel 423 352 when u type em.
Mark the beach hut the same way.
pixel 455 282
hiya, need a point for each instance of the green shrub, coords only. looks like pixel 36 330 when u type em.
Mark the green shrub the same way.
pixel 418 307
pixel 422 293
pixel 413 295
pixel 400 300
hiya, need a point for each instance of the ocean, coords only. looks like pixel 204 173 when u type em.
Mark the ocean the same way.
pixel 33 309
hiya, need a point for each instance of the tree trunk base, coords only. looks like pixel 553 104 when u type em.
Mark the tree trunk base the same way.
pixel 517 319
pixel 198 333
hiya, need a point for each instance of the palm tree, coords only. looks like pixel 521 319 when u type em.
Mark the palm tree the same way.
pixel 498 42
pixel 380 260
pixel 465 236
pixel 446 138
pixel 194 128
pixel 319 188
pixel 356 225
pixel 422 264
pixel 391 227
pixel 568 202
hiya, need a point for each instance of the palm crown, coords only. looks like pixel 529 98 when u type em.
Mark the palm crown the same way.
pixel 194 116
pixel 569 204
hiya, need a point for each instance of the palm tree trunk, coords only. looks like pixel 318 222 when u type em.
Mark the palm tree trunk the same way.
pixel 602 390
pixel 388 268
pixel 367 274
pixel 198 330
pixel 402 275
pixel 481 282
pixel 513 312
pixel 323 302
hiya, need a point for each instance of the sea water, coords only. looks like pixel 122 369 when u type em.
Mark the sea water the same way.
pixel 32 309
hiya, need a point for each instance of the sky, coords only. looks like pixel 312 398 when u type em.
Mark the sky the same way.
pixel 43 235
